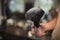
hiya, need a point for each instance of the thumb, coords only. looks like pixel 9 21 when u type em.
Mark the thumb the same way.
pixel 42 24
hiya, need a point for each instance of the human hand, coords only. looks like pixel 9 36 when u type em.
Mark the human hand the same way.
pixel 44 28
pixel 38 31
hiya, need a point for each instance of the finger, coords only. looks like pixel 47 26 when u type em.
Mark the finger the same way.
pixel 33 31
pixel 41 34
pixel 43 25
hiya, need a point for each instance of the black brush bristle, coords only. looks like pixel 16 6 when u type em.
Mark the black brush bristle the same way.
pixel 34 15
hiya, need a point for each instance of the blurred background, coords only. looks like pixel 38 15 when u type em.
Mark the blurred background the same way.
pixel 12 19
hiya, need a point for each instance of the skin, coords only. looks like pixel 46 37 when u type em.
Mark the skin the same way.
pixel 45 27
